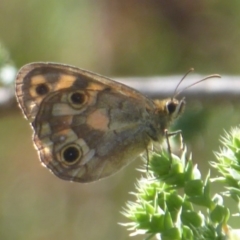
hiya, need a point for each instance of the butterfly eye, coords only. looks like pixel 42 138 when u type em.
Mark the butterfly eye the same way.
pixel 77 99
pixel 171 107
pixel 71 154
pixel 42 89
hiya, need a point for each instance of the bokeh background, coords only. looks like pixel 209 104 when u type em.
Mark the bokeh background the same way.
pixel 113 38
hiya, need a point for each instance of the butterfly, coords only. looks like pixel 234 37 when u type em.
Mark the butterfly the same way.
pixel 86 126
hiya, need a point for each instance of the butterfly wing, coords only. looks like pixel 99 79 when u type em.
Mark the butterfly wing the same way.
pixel 86 126
pixel 35 81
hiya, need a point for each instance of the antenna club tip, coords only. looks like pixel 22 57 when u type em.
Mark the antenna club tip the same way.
pixel 215 76
pixel 191 70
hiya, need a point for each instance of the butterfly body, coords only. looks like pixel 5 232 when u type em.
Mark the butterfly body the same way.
pixel 86 126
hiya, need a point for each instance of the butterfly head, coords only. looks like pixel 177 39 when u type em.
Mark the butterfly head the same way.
pixel 169 109
pixel 174 107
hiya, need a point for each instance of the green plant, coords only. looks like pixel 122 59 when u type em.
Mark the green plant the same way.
pixel 166 198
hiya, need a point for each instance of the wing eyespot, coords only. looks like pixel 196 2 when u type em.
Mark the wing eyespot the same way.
pixel 71 154
pixel 42 89
pixel 77 99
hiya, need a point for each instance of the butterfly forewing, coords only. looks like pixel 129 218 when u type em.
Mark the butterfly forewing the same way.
pixel 36 80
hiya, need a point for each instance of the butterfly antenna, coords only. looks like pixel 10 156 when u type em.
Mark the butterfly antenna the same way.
pixel 176 93
pixel 175 90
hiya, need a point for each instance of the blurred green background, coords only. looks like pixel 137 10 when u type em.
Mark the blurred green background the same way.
pixel 113 38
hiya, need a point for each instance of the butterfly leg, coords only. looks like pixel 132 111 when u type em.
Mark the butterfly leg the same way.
pixel 147 151
pixel 167 135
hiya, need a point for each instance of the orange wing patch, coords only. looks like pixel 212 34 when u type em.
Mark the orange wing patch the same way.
pixel 99 120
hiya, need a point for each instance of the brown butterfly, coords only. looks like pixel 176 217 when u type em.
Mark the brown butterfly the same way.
pixel 86 126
